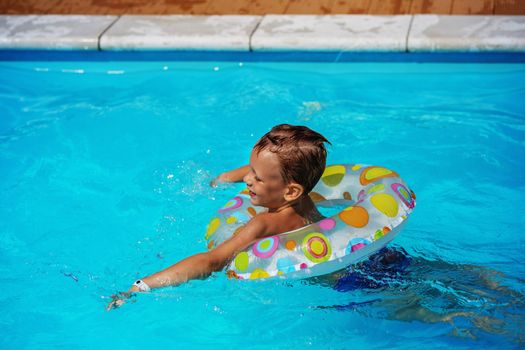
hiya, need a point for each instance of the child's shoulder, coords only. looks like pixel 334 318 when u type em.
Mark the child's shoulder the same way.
pixel 279 222
pixel 263 218
pixel 269 216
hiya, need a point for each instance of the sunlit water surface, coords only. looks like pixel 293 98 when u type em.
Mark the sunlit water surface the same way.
pixel 104 172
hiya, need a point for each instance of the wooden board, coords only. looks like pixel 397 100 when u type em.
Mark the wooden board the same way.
pixel 302 7
pixel 226 7
pixel 189 7
pixel 438 7
pixel 473 7
pixel 509 7
pixel 350 6
pixel 261 7
pixel 391 7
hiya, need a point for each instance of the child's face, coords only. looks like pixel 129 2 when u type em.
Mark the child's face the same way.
pixel 264 180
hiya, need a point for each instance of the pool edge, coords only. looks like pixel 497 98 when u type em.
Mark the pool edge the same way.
pixel 261 34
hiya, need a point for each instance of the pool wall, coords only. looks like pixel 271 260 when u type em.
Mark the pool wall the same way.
pixel 260 34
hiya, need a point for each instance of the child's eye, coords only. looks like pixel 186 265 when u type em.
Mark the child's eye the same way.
pixel 257 178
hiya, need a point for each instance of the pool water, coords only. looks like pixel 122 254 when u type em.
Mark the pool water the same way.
pixel 104 172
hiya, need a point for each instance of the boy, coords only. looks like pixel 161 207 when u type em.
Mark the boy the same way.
pixel 285 165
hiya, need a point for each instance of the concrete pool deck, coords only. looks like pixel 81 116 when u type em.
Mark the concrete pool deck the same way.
pixel 348 33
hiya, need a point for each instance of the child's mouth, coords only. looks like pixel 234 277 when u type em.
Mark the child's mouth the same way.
pixel 252 194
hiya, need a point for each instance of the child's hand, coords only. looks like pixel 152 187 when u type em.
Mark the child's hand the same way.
pixel 117 300
pixel 235 175
pixel 219 179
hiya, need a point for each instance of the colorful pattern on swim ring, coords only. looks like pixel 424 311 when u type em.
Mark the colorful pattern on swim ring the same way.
pixel 265 247
pixel 235 203
pixel 376 203
pixel 356 244
pixel 316 247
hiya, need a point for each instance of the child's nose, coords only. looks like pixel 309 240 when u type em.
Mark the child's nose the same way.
pixel 247 179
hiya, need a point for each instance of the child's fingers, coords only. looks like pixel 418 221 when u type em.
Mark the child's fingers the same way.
pixel 115 303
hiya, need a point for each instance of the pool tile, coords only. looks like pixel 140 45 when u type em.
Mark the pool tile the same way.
pixel 180 32
pixel 331 33
pixel 52 31
pixel 467 33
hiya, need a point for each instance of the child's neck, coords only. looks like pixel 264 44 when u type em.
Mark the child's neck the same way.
pixel 304 207
pixel 307 209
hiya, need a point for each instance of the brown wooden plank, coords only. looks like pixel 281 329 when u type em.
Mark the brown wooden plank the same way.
pixel 7 7
pixel 109 7
pixel 114 7
pixel 473 7
pixel 438 7
pixel 509 7
pixel 263 7
pixel 391 7
pixel 94 10
pixel 226 7
pixel 350 6
pixel 63 7
pixel 28 8
pixel 18 9
pixel 151 7
pixel 260 7
pixel 78 7
pixel 100 7
pixel 302 7
pixel 190 7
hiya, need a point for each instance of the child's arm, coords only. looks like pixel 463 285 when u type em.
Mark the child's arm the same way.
pixel 235 175
pixel 200 265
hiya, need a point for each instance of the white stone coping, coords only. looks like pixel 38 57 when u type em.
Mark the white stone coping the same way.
pixel 348 33
pixel 467 33
pixel 180 32
pixel 67 32
pixel 332 33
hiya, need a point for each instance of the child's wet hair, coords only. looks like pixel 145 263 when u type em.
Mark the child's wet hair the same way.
pixel 301 153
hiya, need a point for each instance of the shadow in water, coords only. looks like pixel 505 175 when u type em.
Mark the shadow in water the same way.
pixel 396 286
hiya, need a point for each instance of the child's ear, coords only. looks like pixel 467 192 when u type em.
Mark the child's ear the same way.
pixel 293 191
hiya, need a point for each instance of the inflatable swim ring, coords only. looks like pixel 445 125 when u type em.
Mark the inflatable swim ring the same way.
pixel 376 204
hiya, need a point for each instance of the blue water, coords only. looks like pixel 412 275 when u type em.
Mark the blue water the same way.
pixel 104 172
